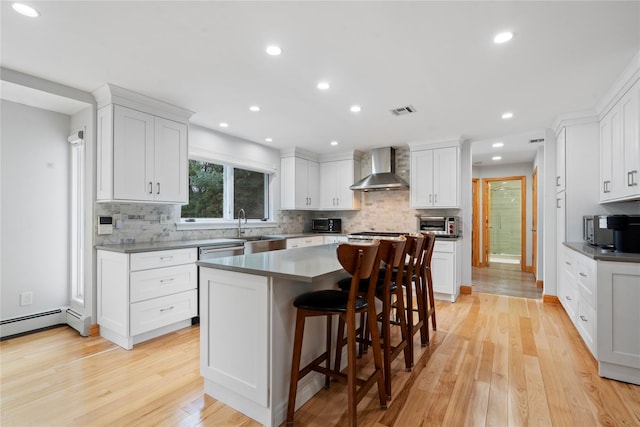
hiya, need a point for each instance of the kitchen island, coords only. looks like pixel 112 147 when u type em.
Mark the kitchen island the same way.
pixel 247 323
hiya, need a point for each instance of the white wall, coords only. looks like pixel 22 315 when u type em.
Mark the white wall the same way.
pixel 34 219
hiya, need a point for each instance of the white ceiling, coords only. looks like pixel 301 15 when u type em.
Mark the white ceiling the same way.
pixel 209 57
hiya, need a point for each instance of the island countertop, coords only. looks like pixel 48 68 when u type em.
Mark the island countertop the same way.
pixel 301 264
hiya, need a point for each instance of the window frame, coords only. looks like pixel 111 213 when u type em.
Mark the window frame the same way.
pixel 228 208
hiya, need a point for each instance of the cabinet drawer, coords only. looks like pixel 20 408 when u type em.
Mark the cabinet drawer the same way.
pixel 441 246
pixel 158 282
pixel 569 300
pixel 155 259
pixel 586 275
pixel 156 313
pixel 586 324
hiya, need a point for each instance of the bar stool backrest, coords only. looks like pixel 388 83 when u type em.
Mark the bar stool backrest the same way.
pixel 416 246
pixel 391 253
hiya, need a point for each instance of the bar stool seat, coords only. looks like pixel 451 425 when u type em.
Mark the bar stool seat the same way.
pixel 358 261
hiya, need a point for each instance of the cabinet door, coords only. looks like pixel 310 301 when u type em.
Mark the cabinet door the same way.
pixel 561 166
pixel 606 164
pixel 442 272
pixel 313 185
pixel 421 179
pixel 445 177
pixel 301 183
pixel 133 157
pixel 328 185
pixel 345 197
pixel 630 116
pixel 170 160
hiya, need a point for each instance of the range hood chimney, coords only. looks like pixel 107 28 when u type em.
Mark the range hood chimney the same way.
pixel 383 176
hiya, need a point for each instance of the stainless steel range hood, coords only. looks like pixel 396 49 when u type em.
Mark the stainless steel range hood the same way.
pixel 383 176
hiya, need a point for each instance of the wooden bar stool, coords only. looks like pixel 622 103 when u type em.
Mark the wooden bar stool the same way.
pixel 357 260
pixel 390 257
pixel 427 279
pixel 413 280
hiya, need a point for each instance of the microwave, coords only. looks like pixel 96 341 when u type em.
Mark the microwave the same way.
pixel 326 225
pixel 441 225
pixel 595 231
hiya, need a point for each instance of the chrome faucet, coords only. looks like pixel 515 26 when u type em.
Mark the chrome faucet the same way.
pixel 241 215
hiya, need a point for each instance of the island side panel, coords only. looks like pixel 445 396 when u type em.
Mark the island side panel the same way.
pixel 234 340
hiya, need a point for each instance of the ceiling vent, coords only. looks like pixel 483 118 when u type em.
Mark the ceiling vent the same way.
pixel 402 111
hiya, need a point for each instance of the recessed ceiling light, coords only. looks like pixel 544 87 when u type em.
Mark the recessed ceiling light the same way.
pixel 268 139
pixel 274 50
pixel 497 144
pixel 496 158
pixel 254 108
pixel 224 125
pixel 355 109
pixel 507 115
pixel 503 37
pixel 323 86
pixel 25 10
pixel 334 142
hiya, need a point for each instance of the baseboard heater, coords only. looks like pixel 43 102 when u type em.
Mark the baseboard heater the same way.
pixel 79 322
pixel 46 319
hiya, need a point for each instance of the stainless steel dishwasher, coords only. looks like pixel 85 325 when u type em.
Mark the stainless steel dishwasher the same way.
pixel 217 249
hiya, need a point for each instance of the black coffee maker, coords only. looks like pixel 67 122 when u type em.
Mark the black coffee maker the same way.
pixel 626 232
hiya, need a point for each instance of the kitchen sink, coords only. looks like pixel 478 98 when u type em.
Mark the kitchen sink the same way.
pixel 255 244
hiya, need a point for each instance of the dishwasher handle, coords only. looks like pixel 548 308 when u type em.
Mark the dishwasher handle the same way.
pixel 206 251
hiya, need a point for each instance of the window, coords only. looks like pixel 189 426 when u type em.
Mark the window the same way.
pixel 218 192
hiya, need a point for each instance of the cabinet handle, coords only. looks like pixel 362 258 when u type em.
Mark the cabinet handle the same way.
pixel 150 187
pixel 558 203
pixel 167 280
pixel 605 186
pixel 158 184
pixel 430 198
pixel 167 309
pixel 630 181
pixel 163 258
pixel 337 201
pixel 568 298
pixel 567 262
pixel 557 181
pixel 583 275
pixel 584 319
pixel 435 198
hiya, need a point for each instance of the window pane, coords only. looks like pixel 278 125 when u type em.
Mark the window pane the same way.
pixel 248 193
pixel 206 196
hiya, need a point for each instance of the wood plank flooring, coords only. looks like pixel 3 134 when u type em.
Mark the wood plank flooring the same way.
pixel 495 361
pixel 505 279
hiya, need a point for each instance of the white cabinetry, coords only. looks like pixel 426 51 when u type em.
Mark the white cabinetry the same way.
pixel 147 294
pixel 335 179
pixel 561 166
pixel 299 182
pixel 620 149
pixel 618 328
pixel 577 291
pixel 335 239
pixel 434 177
pixel 446 269
pixel 303 242
pixel 141 149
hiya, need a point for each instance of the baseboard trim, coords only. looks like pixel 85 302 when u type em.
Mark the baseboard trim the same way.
pixel 94 330
pixel 465 290
pixel 539 284
pixel 550 299
pixel 528 268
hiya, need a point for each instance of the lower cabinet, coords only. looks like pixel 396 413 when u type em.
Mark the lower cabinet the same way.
pixel 602 298
pixel 446 269
pixel 145 295
pixel 303 242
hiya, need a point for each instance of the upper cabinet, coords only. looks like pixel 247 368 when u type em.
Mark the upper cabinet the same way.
pixel 299 180
pixel 335 179
pixel 141 148
pixel 620 149
pixel 434 176
pixel 561 157
pixel 312 182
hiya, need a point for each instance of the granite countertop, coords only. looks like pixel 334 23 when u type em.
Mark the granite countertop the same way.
pixel 601 254
pixel 301 264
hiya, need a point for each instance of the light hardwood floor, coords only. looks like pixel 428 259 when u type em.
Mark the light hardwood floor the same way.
pixel 505 279
pixel 494 361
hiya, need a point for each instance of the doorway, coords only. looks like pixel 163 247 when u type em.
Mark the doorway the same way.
pixel 504 213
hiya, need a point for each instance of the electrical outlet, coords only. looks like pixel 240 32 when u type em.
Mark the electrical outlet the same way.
pixel 26 298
